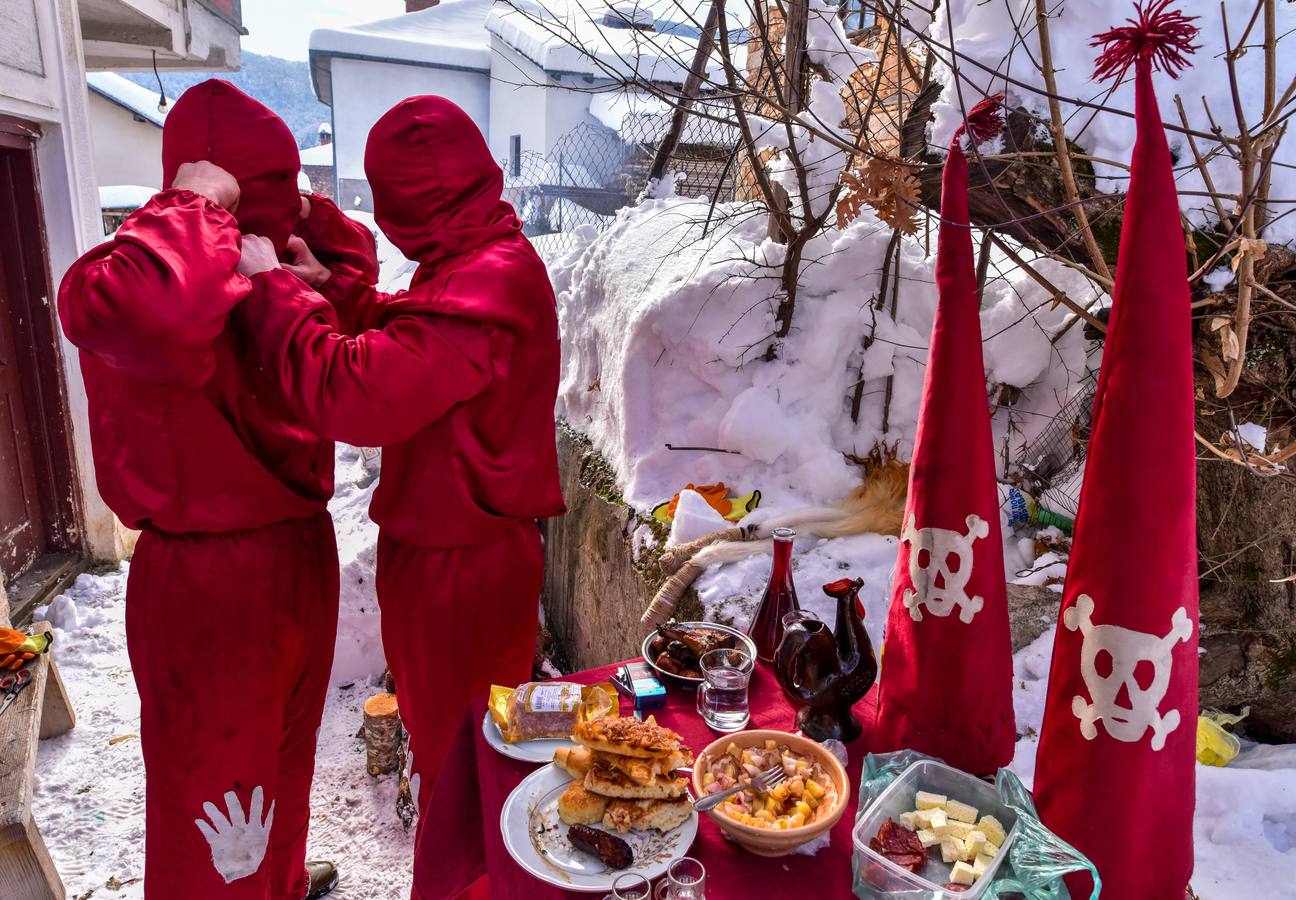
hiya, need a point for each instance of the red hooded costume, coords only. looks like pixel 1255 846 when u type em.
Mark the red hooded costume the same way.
pixel 232 594
pixel 456 380
pixel 946 680
pixel 1118 747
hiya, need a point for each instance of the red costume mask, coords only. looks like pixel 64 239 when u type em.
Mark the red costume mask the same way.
pixel 436 187
pixel 217 122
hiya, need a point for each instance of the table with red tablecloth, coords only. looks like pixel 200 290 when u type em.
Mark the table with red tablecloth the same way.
pixel 464 812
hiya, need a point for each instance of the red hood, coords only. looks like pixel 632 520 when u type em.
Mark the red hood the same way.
pixel 217 122
pixel 436 188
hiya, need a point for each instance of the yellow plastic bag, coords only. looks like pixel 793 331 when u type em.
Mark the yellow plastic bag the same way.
pixel 1215 746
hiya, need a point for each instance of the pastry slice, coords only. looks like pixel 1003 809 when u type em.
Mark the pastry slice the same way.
pixel 628 737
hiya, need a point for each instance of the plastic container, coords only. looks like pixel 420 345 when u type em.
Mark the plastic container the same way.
pixel 879 877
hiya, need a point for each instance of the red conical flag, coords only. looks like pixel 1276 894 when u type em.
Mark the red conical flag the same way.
pixel 946 682
pixel 1115 770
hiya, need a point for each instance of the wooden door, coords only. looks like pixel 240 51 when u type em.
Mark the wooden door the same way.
pixel 22 524
pixel 39 492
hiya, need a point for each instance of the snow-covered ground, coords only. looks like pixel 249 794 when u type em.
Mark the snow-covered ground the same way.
pixel 90 787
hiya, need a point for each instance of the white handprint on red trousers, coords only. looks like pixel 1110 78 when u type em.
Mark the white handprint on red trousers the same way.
pixel 238 843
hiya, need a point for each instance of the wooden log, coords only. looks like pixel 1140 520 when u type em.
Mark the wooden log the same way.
pixel 26 870
pixel 382 733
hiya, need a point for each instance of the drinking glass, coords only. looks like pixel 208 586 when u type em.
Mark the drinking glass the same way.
pixel 722 695
pixel 631 887
pixel 686 879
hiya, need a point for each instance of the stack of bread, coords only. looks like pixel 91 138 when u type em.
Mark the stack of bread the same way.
pixel 624 776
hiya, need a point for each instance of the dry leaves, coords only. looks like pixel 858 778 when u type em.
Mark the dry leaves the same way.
pixel 886 185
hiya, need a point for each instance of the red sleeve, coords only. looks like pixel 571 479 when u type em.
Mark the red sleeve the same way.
pixel 151 301
pixel 347 249
pixel 337 239
pixel 380 387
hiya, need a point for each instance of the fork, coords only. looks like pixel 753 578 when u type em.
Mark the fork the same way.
pixel 762 784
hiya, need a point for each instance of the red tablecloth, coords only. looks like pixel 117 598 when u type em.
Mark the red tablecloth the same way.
pixel 464 813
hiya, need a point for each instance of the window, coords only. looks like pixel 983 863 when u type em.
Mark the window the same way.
pixel 515 155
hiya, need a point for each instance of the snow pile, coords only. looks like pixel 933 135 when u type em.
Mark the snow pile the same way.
pixel 1001 36
pixel 664 331
pixel 358 654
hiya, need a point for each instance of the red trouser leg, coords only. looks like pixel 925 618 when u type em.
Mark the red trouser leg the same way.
pixel 231 643
pixel 454 622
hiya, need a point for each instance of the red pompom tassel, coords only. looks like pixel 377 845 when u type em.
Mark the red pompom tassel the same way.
pixel 1162 36
pixel 984 121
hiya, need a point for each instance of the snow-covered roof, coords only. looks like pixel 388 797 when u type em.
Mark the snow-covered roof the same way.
pixel 321 155
pixel 128 95
pixel 124 196
pixel 451 34
pixel 325 128
pixel 571 36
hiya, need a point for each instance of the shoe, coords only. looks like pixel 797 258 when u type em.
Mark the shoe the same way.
pixel 323 877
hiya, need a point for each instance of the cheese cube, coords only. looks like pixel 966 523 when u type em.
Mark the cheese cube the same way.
pixel 962 873
pixel 974 843
pixel 981 864
pixel 907 820
pixel 951 849
pixel 994 830
pixel 960 811
pixel 951 828
pixel 990 850
pixel 928 838
pixel 930 818
pixel 924 800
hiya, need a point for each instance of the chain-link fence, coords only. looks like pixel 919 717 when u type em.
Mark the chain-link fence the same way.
pixel 1051 467
pixel 595 170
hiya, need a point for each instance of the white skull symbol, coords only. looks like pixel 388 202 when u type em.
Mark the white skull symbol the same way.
pixel 940 581
pixel 1127 649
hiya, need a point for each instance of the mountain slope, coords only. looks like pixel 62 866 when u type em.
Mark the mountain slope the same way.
pixel 281 84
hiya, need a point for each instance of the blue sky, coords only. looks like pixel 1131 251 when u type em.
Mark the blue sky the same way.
pixel 283 27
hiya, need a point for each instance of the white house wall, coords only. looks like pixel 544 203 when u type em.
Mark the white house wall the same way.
pixel 126 150
pixel 540 106
pixel 364 89
pixel 47 86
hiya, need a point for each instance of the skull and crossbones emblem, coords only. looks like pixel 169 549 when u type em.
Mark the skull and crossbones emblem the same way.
pixel 1127 650
pixel 940 566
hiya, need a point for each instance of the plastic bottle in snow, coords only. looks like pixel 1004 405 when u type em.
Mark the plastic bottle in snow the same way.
pixel 1021 511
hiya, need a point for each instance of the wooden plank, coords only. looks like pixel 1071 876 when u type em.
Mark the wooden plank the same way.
pixel 46 578
pixel 26 870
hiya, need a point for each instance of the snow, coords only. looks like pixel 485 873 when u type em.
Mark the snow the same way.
pixel 1254 434
pixel 124 196
pixel 319 155
pixel 694 518
pixel 570 37
pixel 124 92
pixel 675 338
pixel 988 34
pixel 450 34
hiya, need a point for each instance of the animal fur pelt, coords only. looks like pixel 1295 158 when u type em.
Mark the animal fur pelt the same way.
pixel 875 506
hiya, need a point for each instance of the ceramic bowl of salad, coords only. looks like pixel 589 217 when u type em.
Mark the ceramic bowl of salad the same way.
pixel 807 804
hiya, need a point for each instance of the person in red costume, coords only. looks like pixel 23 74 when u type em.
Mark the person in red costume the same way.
pixel 456 380
pixel 232 593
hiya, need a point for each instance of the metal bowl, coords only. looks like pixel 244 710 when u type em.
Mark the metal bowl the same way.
pixel 666 678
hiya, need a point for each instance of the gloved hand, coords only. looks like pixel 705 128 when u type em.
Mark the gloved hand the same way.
pixel 17 647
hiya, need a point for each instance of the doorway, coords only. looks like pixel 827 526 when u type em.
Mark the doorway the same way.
pixel 40 537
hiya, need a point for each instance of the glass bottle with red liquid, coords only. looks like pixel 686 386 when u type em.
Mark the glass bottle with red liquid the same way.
pixel 780 599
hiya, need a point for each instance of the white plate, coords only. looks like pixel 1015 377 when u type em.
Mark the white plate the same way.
pixel 541 751
pixel 537 839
